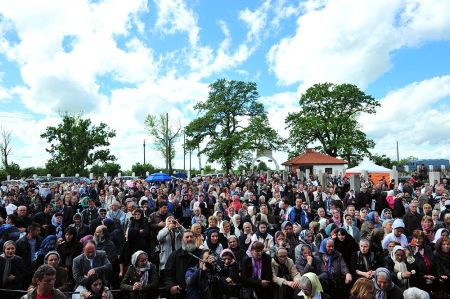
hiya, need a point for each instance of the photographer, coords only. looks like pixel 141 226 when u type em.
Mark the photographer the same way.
pixel 203 281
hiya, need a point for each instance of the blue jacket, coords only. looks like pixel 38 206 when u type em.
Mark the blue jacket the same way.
pixel 298 216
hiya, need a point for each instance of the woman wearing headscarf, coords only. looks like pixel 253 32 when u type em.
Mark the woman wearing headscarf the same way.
pixel 234 246
pixel 263 236
pixel 336 272
pixel 69 249
pixel 386 214
pixel 11 267
pixel 310 287
pixel 351 228
pixel 285 274
pixel 346 245
pixel 400 270
pixel 384 287
pixel 442 261
pixel 307 262
pixel 245 239
pixel 212 242
pixel 169 239
pixel 442 232
pixel 237 225
pixel 141 278
pixel 306 237
pixel 230 272
pixel 63 281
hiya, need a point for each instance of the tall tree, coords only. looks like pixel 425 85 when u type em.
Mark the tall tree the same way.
pixel 328 117
pixel 5 145
pixel 76 144
pixel 165 137
pixel 231 123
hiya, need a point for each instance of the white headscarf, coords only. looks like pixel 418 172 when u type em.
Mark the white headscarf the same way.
pixel 144 270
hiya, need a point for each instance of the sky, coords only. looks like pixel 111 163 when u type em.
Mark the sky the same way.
pixel 118 61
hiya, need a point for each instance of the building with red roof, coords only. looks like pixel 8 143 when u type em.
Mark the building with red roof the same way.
pixel 316 162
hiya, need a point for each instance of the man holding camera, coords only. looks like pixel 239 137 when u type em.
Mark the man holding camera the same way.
pixel 203 281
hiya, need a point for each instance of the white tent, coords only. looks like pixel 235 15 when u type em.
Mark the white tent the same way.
pixel 369 166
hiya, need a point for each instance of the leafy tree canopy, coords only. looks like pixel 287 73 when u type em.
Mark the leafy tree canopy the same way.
pixel 328 117
pixel 75 144
pixel 231 122
pixel 141 169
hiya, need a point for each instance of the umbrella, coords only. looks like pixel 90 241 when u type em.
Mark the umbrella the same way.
pixel 158 177
pixel 180 175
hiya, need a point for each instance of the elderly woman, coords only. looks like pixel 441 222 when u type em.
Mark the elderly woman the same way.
pixel 310 287
pixel 415 293
pixel 141 278
pixel 285 275
pixel 63 282
pixel 196 229
pixel 11 268
pixel 169 239
pixel 384 287
pixel 400 270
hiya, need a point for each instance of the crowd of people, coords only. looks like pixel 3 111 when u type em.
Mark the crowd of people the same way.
pixel 246 236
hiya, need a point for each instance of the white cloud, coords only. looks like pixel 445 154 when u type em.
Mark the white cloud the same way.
pixel 351 40
pixel 174 16
pixel 417 116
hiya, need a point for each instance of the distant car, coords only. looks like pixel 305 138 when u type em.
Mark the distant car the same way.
pixel 129 178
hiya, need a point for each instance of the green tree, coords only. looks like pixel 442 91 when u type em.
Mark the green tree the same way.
pixel 382 160
pixel 328 117
pixel 165 137
pixel 228 121
pixel 13 170
pixel 262 166
pixel 30 171
pixel 112 169
pixel 76 144
pixel 140 169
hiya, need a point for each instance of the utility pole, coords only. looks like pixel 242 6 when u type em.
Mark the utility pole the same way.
pixel 184 150
pixel 144 151
pixel 398 156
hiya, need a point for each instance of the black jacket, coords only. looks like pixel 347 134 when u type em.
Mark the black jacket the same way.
pixel 176 266
pixel 23 249
pixel 17 269
pixel 255 284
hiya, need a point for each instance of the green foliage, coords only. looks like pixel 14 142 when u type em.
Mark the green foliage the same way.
pixel 13 170
pixel 262 166
pixel 208 169
pixel 30 171
pixel 76 144
pixel 328 116
pixel 231 123
pixel 165 137
pixel 112 169
pixel 382 160
pixel 140 169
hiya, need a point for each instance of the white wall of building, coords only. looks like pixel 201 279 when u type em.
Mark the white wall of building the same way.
pixel 321 168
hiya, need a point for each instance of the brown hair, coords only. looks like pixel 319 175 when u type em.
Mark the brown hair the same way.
pixel 439 243
pixel 258 246
pixel 419 234
pixel 362 288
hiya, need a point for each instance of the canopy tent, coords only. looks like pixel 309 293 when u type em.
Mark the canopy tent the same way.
pixel 376 172
pixel 180 175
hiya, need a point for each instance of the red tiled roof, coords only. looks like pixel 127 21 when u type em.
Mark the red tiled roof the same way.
pixel 311 157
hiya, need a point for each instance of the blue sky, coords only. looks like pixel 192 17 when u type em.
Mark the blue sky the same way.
pixel 118 61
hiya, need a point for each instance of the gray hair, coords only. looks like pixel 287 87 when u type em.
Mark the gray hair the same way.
pixel 415 293
pixel 364 241
pixel 305 283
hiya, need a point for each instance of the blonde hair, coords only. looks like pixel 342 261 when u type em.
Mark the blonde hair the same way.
pixel 362 288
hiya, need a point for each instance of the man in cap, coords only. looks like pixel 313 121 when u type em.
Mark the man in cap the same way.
pixel 396 235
